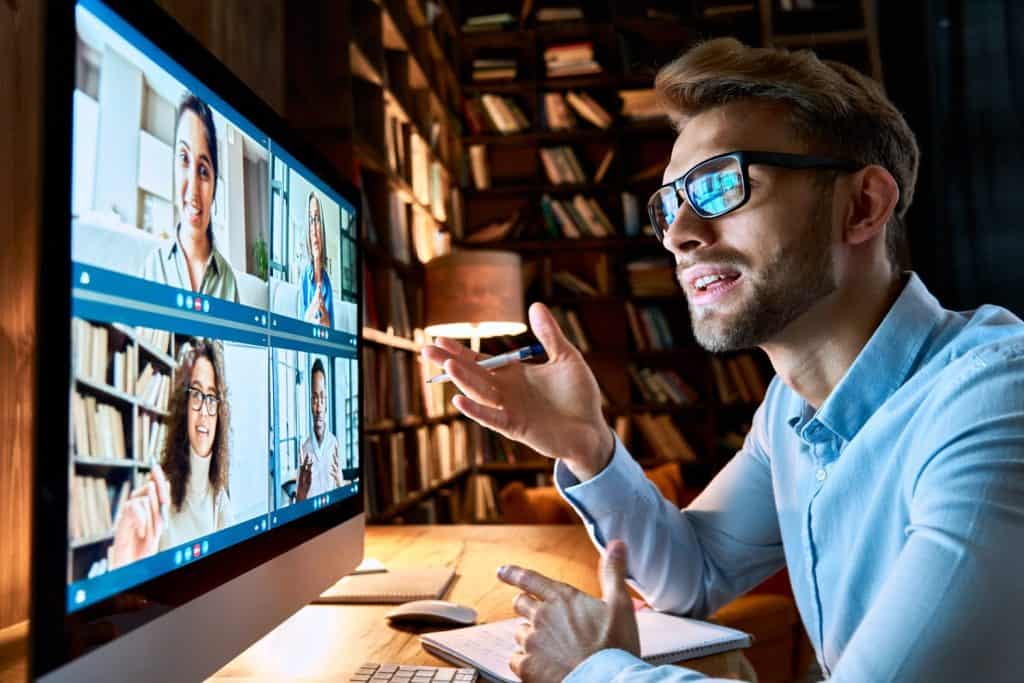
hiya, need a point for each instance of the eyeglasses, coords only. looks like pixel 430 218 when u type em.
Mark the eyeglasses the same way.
pixel 197 399
pixel 721 184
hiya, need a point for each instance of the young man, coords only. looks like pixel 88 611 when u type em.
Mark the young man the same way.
pixel 885 467
pixel 319 457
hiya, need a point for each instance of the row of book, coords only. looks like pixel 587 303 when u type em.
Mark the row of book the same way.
pixel 576 218
pixel 150 438
pixel 649 327
pixel 495 114
pixel 98 428
pixel 403 462
pixel 662 435
pixel 559 111
pixel 159 340
pixel 569 321
pixel 494 69
pixel 738 380
pixel 92 515
pixel 93 360
pixel 501 21
pixel 153 387
pixel 662 386
pixel 571 59
pixel 561 165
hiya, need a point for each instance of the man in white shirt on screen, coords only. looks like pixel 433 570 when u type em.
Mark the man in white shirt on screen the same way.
pixel 319 457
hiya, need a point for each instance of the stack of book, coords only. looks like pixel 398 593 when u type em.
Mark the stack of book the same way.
pixel 555 113
pixel 662 386
pixel 580 217
pixel 572 59
pixel 493 69
pixel 153 388
pixel 588 108
pixel 737 380
pixel 547 15
pixel 651 277
pixel 665 438
pixel 92 515
pixel 488 22
pixel 495 114
pixel 649 327
pixel 638 105
pixel 571 326
pixel 562 166
pixel 98 428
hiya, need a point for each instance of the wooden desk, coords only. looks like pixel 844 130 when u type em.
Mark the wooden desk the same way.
pixel 329 642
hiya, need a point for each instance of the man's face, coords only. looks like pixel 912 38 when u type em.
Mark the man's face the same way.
pixel 318 399
pixel 775 252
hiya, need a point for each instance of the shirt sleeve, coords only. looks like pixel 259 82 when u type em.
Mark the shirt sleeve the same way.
pixel 619 666
pixel 950 607
pixel 691 561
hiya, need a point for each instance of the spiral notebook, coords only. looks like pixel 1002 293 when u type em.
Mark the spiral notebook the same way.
pixel 664 639
pixel 391 587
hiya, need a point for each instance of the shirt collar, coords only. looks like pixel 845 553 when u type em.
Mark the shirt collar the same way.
pixel 211 261
pixel 880 368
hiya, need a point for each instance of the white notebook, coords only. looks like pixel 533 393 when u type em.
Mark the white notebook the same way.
pixel 664 639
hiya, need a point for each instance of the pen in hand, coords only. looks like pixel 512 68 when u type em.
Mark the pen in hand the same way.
pixel 499 361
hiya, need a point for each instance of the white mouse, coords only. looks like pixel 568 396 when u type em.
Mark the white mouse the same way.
pixel 433 612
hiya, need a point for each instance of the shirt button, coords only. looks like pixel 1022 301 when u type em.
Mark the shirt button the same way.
pixel 820 475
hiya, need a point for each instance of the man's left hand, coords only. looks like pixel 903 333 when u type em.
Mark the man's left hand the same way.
pixel 566 625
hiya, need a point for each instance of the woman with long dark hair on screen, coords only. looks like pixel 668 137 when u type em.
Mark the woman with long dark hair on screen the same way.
pixel 192 262
pixel 317 294
pixel 186 496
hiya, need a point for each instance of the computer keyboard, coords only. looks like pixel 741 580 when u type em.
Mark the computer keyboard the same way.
pixel 395 673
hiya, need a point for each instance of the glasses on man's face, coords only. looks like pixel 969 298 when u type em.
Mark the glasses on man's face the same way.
pixel 198 399
pixel 721 184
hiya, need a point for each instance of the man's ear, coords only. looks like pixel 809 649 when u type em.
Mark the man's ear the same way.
pixel 874 194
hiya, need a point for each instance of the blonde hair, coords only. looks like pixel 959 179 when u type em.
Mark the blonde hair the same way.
pixel 834 109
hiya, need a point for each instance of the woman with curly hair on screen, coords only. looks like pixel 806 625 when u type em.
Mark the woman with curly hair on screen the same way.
pixel 186 496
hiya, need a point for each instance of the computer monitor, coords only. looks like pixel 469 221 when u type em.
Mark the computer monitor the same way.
pixel 198 471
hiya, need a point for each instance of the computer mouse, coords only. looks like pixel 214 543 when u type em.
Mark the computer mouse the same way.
pixel 433 612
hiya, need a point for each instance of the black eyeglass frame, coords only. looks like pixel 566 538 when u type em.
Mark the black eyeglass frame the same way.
pixel 744 158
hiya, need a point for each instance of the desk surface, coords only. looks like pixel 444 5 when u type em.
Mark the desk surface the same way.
pixel 329 642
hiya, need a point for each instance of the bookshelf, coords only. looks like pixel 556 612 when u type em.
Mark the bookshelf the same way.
pixel 625 268
pixel 120 391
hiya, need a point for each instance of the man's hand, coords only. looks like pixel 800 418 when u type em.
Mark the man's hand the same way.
pixel 566 625
pixel 305 479
pixel 554 408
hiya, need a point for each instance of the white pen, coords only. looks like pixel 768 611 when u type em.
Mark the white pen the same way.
pixel 499 361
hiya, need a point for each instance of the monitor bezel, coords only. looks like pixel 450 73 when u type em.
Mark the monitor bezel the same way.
pixel 57 637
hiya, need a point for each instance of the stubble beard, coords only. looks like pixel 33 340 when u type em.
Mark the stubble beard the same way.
pixel 793 279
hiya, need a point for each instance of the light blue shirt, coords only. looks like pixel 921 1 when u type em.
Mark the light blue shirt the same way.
pixel 898 507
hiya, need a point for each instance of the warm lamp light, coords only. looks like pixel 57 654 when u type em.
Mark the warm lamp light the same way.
pixel 474 294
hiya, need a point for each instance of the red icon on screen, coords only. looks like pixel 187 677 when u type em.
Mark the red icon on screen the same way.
pixel 198 305
pixel 196 550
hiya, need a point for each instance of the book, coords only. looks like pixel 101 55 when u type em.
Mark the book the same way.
pixel 478 164
pixel 590 110
pixel 549 14
pixel 391 587
pixel 602 167
pixel 495 231
pixel 664 639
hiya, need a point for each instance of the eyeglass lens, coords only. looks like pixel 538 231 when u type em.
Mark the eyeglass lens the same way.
pixel 713 189
pixel 199 400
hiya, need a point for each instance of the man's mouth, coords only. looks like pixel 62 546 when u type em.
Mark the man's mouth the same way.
pixel 709 281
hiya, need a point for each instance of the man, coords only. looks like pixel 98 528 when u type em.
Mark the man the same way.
pixel 320 462
pixel 885 467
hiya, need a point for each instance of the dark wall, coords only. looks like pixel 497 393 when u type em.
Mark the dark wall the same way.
pixel 956 69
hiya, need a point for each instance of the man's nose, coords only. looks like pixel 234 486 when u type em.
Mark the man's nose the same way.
pixel 688 232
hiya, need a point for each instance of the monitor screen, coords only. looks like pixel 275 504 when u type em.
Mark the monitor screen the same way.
pixel 213 392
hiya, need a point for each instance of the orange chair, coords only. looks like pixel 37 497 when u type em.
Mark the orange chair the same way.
pixel 781 651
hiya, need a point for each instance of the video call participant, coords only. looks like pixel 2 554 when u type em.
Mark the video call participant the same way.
pixel 320 469
pixel 317 294
pixel 193 262
pixel 191 483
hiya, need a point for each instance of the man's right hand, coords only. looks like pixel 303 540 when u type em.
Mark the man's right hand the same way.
pixel 305 479
pixel 554 408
